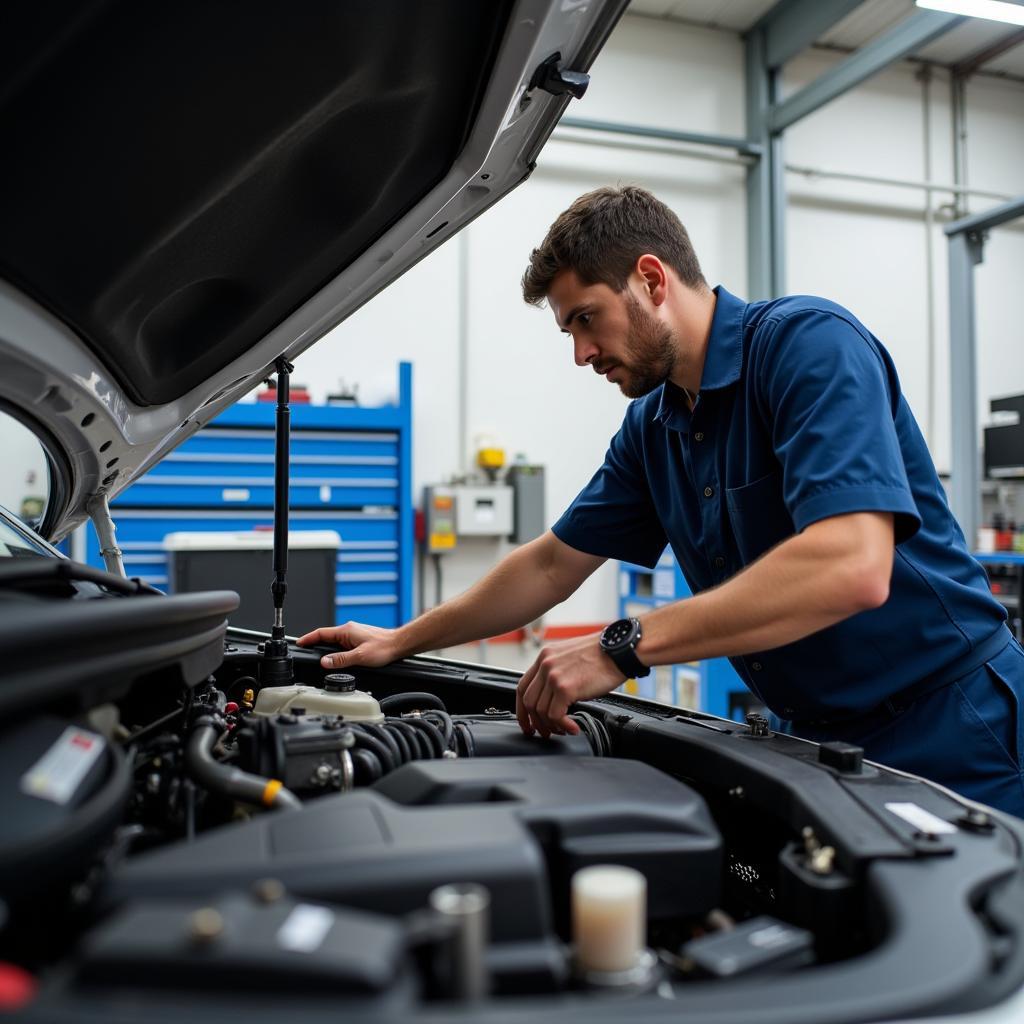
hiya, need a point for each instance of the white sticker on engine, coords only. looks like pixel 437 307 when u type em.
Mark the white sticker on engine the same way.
pixel 921 819
pixel 58 773
pixel 305 928
pixel 235 494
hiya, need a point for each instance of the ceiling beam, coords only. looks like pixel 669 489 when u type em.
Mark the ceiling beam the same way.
pixel 901 41
pixel 793 25
pixel 975 61
pixel 987 219
pixel 743 146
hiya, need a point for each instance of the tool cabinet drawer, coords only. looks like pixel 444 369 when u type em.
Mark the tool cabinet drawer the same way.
pixel 228 445
pixel 212 486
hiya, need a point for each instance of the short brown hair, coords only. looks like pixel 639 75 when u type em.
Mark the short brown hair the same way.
pixel 603 234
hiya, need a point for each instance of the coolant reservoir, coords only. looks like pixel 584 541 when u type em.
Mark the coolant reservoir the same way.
pixel 337 696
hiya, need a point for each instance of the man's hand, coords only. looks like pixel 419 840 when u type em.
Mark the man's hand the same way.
pixel 564 672
pixel 370 646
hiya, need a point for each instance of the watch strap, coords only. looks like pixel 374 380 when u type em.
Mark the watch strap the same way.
pixel 628 663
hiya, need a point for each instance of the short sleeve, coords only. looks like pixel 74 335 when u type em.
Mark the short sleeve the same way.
pixel 614 515
pixel 832 397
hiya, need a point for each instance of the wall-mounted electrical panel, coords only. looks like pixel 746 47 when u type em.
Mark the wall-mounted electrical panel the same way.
pixel 483 511
pixel 439 533
pixel 528 514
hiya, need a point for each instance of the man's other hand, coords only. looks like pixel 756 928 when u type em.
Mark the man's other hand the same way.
pixel 370 646
pixel 563 673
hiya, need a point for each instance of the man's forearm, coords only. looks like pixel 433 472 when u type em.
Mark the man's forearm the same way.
pixel 516 591
pixel 804 585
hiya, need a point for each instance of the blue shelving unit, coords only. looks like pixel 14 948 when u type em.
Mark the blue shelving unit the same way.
pixel 712 685
pixel 351 471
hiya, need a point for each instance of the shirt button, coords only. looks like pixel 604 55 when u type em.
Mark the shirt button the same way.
pixel 756 666
pixel 708 492
pixel 719 562
pixel 698 436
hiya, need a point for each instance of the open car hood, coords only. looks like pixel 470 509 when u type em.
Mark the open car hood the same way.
pixel 190 192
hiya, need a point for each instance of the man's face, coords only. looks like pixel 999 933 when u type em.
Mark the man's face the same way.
pixel 612 332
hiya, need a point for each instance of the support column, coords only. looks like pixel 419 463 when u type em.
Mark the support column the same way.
pixel 965 252
pixel 766 194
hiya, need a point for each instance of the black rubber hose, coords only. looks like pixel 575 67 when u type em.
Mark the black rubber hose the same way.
pixel 466 735
pixel 599 738
pixel 382 735
pixel 367 767
pixel 411 702
pixel 587 729
pixel 431 731
pixel 446 725
pixel 422 749
pixel 377 747
pixel 408 735
pixel 397 752
pixel 595 732
pixel 404 743
pixel 232 782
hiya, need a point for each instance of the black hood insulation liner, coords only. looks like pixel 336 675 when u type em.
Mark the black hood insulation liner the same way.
pixel 172 215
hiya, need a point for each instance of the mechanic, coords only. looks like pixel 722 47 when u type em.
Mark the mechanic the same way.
pixel 770 445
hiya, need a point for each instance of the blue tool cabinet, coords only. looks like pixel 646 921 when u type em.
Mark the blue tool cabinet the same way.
pixel 712 686
pixel 351 471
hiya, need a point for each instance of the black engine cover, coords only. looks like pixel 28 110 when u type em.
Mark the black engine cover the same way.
pixel 520 826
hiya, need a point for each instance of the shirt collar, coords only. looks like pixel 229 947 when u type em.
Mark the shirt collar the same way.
pixel 722 361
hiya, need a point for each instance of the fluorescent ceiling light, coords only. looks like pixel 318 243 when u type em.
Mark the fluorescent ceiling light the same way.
pixel 993 10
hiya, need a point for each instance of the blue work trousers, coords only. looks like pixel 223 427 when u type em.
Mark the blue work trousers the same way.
pixel 967 735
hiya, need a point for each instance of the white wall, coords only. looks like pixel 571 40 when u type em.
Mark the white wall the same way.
pixel 863 245
pixel 23 472
pixel 995 121
pixel 867 246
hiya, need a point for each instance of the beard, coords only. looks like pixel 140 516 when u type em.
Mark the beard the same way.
pixel 650 352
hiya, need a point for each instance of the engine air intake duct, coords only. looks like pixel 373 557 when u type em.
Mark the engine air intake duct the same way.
pixel 308 752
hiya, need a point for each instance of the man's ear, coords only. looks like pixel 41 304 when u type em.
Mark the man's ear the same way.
pixel 654 277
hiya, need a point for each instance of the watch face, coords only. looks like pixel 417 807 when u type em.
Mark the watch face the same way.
pixel 617 633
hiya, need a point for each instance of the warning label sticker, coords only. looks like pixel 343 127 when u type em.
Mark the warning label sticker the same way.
pixel 305 928
pixel 59 772
pixel 921 819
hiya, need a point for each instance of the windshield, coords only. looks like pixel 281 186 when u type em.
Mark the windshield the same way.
pixel 15 544
pixel 24 473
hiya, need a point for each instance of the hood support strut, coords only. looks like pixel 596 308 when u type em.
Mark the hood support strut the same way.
pixel 276 667
pixel 98 508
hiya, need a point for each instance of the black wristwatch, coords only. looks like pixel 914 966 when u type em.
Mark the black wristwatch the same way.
pixel 619 641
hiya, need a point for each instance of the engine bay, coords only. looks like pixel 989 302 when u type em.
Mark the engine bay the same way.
pixel 178 838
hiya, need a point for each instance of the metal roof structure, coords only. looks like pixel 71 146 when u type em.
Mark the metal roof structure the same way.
pixel 861 24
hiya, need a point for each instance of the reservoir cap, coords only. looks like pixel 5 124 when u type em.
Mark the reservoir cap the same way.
pixel 339 682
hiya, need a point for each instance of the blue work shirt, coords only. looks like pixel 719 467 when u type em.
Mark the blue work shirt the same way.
pixel 799 417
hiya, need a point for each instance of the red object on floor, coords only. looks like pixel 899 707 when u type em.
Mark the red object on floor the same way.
pixel 515 637
pixel 568 632
pixel 550 633
pixel 297 395
pixel 17 987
